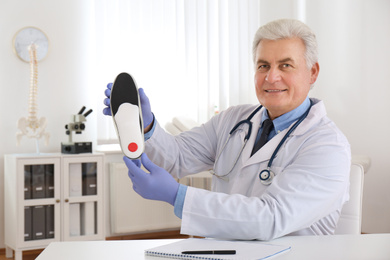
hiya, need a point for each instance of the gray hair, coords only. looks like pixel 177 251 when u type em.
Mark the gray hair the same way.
pixel 288 28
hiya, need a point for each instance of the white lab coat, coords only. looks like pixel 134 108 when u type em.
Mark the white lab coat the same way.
pixel 305 198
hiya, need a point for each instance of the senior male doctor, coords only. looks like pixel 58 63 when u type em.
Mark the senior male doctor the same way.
pixel 307 183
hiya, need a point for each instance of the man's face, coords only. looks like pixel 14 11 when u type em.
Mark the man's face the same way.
pixel 282 79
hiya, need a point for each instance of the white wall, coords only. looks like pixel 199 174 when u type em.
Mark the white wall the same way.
pixel 354 40
pixel 64 79
pixel 354 36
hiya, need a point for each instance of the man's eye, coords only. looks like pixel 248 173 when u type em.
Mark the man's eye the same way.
pixel 286 66
pixel 262 67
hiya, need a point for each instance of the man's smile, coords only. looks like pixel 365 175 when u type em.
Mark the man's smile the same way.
pixel 275 90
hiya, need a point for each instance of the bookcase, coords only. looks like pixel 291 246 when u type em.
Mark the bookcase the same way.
pixel 52 197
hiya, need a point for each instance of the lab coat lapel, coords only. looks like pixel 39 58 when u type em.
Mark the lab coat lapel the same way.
pixel 316 113
pixel 265 152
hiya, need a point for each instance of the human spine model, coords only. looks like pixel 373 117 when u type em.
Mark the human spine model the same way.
pixel 31 126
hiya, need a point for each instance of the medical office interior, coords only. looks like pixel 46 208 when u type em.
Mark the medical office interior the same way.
pixel 193 59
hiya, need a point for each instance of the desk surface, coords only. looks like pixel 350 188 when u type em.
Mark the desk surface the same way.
pixel 370 246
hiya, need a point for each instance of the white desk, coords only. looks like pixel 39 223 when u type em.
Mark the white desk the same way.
pixel 372 246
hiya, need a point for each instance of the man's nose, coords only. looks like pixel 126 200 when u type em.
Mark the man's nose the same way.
pixel 273 75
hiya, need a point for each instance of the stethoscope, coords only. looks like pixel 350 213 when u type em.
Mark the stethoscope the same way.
pixel 266 176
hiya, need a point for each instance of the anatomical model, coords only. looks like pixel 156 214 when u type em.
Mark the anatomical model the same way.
pixel 32 127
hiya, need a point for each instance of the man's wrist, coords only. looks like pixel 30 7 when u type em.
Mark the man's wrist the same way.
pixel 148 132
pixel 179 201
pixel 149 127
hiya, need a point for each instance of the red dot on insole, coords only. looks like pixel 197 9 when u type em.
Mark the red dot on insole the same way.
pixel 133 147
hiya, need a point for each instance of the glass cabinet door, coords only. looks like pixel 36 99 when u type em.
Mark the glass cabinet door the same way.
pixel 83 191
pixel 40 194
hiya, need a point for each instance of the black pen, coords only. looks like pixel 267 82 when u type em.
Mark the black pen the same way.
pixel 210 252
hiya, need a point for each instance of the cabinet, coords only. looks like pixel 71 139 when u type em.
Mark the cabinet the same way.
pixel 52 197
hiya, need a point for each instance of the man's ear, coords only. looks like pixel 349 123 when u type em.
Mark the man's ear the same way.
pixel 314 71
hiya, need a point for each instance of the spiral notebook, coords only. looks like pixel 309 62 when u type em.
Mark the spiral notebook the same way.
pixel 248 250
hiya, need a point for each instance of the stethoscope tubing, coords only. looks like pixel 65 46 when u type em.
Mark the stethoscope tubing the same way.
pixel 245 121
pixel 287 135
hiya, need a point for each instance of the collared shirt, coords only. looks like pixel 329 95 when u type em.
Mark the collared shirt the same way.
pixel 284 121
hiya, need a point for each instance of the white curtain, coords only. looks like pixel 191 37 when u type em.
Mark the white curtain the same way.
pixel 192 57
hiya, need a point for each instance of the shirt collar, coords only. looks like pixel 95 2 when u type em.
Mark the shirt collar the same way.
pixel 284 121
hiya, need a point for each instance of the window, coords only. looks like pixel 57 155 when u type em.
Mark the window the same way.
pixel 191 57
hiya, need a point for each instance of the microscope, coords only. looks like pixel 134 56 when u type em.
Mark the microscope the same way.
pixel 76 125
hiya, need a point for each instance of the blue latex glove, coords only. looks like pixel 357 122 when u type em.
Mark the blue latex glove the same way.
pixel 156 185
pixel 147 115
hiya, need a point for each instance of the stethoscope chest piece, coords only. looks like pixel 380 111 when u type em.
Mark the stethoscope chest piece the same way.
pixel 266 176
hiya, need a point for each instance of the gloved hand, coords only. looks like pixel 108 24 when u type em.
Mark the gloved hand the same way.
pixel 147 115
pixel 156 185
pixel 107 102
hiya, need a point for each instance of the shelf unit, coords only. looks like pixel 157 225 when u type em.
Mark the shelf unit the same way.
pixel 52 197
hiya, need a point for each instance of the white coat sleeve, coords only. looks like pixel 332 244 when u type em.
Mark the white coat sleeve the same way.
pixel 192 151
pixel 183 154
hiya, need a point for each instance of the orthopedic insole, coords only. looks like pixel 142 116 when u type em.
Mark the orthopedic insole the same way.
pixel 127 115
